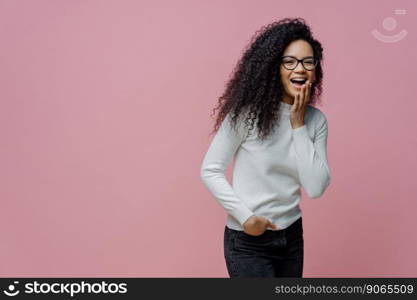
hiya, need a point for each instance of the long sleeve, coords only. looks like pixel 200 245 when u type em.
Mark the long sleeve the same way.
pixel 221 151
pixel 311 158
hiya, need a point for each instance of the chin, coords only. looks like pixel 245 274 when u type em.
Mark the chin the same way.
pixel 291 93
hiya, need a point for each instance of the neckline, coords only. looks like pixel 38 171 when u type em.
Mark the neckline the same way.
pixel 285 108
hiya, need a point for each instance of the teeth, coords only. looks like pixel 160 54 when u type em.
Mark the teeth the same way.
pixel 298 80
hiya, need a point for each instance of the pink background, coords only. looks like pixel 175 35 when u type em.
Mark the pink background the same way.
pixel 105 116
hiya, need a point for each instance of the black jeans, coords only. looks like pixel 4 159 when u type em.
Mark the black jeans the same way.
pixel 272 254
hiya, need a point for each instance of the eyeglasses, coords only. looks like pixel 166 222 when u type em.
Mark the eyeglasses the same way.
pixel 291 62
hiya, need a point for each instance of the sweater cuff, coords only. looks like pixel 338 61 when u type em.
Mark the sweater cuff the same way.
pixel 301 131
pixel 242 213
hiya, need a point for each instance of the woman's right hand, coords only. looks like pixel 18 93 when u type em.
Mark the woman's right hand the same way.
pixel 256 225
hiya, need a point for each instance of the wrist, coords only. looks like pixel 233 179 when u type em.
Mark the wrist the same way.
pixel 295 126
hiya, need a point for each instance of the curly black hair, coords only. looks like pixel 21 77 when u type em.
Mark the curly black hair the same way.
pixel 255 89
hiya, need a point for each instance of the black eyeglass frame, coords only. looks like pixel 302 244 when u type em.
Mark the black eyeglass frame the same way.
pixel 298 61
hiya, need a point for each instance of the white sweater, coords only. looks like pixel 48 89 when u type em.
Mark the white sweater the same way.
pixel 267 176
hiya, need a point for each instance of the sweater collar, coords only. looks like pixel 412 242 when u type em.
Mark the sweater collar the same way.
pixel 285 108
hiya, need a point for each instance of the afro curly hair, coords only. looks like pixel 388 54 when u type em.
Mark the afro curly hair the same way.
pixel 255 89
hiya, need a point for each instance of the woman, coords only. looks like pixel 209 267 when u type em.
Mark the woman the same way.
pixel 267 123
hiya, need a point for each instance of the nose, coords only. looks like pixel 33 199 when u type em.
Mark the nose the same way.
pixel 299 68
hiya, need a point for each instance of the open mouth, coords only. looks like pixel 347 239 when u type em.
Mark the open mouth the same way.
pixel 298 82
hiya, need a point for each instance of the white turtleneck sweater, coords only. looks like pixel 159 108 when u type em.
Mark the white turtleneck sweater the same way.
pixel 267 176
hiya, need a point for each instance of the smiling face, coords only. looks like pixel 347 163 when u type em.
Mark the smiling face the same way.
pixel 299 49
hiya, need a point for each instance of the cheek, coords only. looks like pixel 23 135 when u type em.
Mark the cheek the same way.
pixel 284 75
